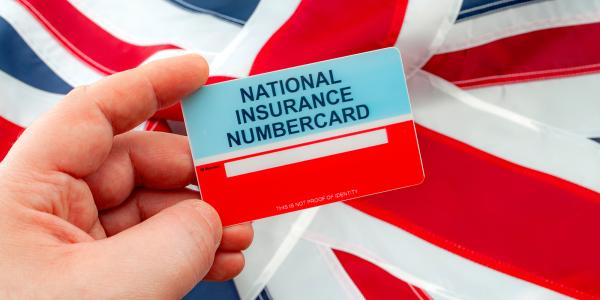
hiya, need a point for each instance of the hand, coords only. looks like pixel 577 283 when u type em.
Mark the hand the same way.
pixel 91 210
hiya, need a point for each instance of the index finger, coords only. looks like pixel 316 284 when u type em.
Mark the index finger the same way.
pixel 77 134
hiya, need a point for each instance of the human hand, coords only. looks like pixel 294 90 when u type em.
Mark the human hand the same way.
pixel 90 210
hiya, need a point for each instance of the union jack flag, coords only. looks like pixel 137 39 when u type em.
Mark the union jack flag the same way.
pixel 505 97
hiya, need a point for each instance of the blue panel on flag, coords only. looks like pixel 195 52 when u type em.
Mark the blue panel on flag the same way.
pixel 264 295
pixel 214 290
pixel 472 8
pixel 19 61
pixel 237 11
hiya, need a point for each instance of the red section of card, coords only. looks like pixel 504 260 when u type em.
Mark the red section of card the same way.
pixel 314 182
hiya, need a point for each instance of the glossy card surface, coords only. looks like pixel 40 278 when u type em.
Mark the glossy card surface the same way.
pixel 305 136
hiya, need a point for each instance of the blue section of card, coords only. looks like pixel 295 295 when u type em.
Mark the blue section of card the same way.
pixel 304 100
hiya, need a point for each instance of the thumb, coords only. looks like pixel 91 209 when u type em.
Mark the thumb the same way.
pixel 164 256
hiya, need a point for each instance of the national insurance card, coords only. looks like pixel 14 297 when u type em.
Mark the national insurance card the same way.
pixel 305 136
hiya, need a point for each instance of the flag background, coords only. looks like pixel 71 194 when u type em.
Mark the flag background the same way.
pixel 505 97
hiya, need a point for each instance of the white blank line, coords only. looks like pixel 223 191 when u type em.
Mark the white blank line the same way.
pixel 304 153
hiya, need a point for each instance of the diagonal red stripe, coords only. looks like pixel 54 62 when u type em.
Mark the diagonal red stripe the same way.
pixel 519 221
pixel 376 283
pixel 320 30
pixel 548 53
pixel 9 132
pixel 88 41
pixel 157 125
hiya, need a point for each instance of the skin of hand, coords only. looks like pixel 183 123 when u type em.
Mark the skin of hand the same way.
pixel 92 210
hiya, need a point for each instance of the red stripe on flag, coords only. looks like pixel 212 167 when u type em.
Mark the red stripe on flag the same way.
pixel 9 132
pixel 320 30
pixel 157 125
pixel 376 283
pixel 172 112
pixel 519 221
pixel 88 41
pixel 548 53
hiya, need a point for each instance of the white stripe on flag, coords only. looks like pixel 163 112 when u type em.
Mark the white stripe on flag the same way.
pixel 307 152
pixel 59 59
pixel 21 103
pixel 520 19
pixel 445 108
pixel 274 239
pixel 312 271
pixel 145 22
pixel 569 103
pixel 426 23
pixel 237 58
pixel 442 274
